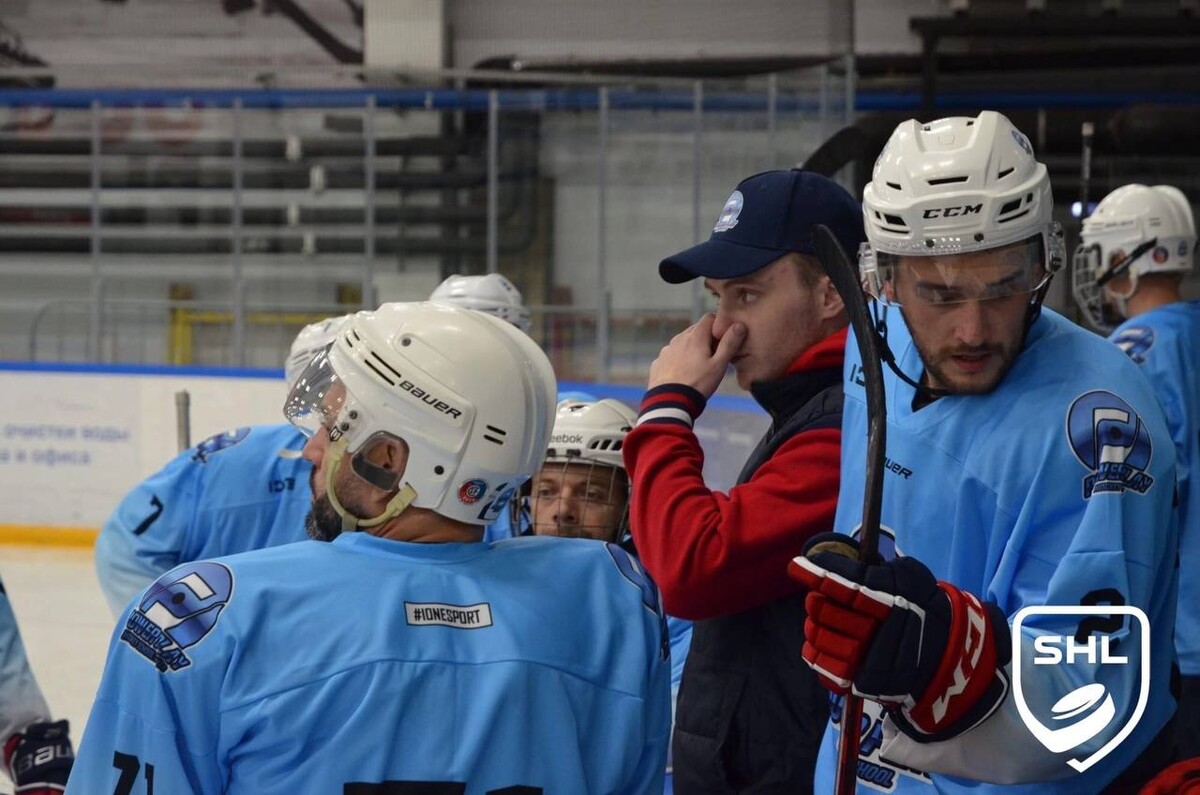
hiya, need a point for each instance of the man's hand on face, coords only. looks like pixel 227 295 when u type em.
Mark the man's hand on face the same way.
pixel 690 358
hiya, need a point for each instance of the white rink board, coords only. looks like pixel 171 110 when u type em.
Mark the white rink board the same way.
pixel 73 443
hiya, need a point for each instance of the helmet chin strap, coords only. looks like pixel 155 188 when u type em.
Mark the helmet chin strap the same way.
pixel 928 393
pixel 350 522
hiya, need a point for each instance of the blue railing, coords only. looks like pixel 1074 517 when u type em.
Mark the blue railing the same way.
pixel 568 99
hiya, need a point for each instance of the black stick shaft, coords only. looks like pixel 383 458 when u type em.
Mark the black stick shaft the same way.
pixel 844 276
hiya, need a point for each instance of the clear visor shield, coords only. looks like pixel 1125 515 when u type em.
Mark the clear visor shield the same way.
pixel 576 500
pixel 946 279
pixel 316 398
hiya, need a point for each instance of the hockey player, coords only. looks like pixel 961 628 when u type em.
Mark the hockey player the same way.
pixel 37 752
pixel 236 491
pixel 750 715
pixel 1028 466
pixel 407 656
pixel 490 293
pixel 582 490
pixel 247 488
pixel 1135 250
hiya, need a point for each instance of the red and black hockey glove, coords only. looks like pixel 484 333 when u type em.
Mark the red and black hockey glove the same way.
pixel 39 759
pixel 923 648
pixel 1181 778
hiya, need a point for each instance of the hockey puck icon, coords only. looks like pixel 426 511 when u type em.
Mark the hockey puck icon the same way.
pixel 1087 715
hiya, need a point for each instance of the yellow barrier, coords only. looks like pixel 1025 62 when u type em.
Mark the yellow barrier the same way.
pixel 44 536
pixel 184 322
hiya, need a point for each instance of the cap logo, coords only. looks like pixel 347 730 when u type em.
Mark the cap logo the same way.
pixel 729 215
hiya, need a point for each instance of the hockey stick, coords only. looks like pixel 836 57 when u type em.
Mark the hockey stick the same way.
pixel 844 275
pixel 843 147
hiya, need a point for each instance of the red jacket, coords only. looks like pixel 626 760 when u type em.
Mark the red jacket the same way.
pixel 710 553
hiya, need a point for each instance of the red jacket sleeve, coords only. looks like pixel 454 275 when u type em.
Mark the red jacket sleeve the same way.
pixel 712 553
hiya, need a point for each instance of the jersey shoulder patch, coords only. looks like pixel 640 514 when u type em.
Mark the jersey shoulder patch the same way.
pixel 1136 341
pixel 177 612
pixel 218 442
pixel 1112 442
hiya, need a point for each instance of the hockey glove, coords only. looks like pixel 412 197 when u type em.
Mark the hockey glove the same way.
pixel 924 649
pixel 1181 778
pixel 39 760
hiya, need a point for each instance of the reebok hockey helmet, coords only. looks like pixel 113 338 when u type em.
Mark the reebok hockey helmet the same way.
pixel 1135 230
pixel 586 445
pixel 954 186
pixel 491 293
pixel 469 394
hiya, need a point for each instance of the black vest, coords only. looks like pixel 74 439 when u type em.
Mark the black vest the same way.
pixel 751 714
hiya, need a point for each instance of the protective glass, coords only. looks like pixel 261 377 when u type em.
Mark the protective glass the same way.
pixel 1016 269
pixel 316 398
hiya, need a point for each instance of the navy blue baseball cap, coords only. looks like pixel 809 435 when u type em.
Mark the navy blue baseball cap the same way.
pixel 767 216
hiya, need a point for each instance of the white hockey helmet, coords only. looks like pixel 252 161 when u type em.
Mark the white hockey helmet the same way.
pixel 312 338
pixel 469 394
pixel 954 186
pixel 491 293
pixel 1135 230
pixel 590 432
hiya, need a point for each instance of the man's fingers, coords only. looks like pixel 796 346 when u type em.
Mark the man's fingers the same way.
pixel 728 347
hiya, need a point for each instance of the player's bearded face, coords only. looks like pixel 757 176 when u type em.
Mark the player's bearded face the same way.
pixel 323 523
pixel 970 342
pixel 579 501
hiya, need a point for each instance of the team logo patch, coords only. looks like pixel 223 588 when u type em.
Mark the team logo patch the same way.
pixel 1111 441
pixel 219 442
pixel 1136 342
pixel 1022 141
pixel 177 611
pixel 494 507
pixel 435 614
pixel 729 214
pixel 1073 719
pixel 472 491
pixel 1160 254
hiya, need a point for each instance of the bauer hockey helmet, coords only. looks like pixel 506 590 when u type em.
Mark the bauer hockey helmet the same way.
pixel 1135 230
pixel 470 395
pixel 491 293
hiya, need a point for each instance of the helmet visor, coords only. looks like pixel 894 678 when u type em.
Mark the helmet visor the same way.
pixel 940 280
pixel 316 398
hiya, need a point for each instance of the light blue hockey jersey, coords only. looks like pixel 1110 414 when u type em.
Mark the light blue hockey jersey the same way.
pixel 236 491
pixel 353 666
pixel 1055 489
pixel 21 700
pixel 1165 342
